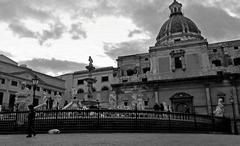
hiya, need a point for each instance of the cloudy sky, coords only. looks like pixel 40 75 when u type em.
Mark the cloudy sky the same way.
pixel 57 36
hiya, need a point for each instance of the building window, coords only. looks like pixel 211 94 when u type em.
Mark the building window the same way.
pixel 125 80
pixel 146 59
pixel 236 61
pixel 2 81
pixel 105 88
pixel 49 91
pixel 145 103
pixel 94 89
pixel 178 62
pixel 38 88
pixel 11 102
pixel 146 69
pixel 217 62
pixel 29 86
pixel 235 47
pixel 45 90
pixel 105 79
pixel 125 103
pixel 1 98
pixel 80 82
pixel 177 40
pixel 214 50
pixel 55 92
pixel 14 83
pixel 60 93
pixel 80 91
pixel 130 72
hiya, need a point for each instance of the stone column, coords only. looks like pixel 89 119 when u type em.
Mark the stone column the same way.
pixel 183 63
pixel 173 64
pixel 234 94
pixel 208 100
pixel 155 89
pixel 156 97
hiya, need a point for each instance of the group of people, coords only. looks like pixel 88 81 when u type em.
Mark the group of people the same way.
pixel 163 107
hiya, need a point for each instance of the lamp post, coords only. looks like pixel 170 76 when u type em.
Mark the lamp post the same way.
pixel 35 83
pixel 234 116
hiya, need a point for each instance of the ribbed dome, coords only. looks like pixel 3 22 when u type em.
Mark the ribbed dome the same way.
pixel 177 26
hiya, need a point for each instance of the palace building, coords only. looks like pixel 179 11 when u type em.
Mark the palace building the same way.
pixel 16 83
pixel 182 70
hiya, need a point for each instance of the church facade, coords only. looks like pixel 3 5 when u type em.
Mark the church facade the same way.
pixel 181 70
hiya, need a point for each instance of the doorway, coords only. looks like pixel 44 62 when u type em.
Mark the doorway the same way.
pixel 182 102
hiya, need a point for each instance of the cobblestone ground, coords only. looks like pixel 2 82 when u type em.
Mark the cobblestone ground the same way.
pixel 121 139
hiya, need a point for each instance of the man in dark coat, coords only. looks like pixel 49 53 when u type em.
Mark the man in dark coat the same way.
pixel 31 120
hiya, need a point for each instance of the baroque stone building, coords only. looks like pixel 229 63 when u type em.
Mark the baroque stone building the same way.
pixel 76 85
pixel 182 70
pixel 16 84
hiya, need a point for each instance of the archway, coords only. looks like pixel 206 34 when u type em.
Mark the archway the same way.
pixel 182 102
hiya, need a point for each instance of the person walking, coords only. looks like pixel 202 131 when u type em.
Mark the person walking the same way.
pixel 31 120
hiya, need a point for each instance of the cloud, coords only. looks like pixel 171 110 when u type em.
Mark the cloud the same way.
pixel 147 15
pixel 14 13
pixel 126 48
pixel 20 9
pixel 6 53
pixel 215 23
pixel 21 30
pixel 53 65
pixel 132 33
pixel 77 31
pixel 55 31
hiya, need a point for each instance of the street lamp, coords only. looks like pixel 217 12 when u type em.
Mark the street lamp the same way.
pixel 234 117
pixel 35 83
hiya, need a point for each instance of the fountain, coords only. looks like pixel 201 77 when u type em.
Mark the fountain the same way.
pixel 90 101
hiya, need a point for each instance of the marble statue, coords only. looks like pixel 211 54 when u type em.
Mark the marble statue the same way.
pixel 219 109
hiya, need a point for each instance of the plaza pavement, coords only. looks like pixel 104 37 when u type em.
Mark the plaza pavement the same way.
pixel 121 139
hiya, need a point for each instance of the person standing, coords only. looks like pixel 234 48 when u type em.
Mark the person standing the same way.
pixel 156 107
pixel 31 120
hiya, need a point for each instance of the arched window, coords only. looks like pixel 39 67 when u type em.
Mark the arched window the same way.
pixel 80 91
pixel 105 88
pixel 236 61
pixel 217 62
pixel 175 9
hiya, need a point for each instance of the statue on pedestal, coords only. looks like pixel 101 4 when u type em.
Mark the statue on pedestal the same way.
pixel 219 109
